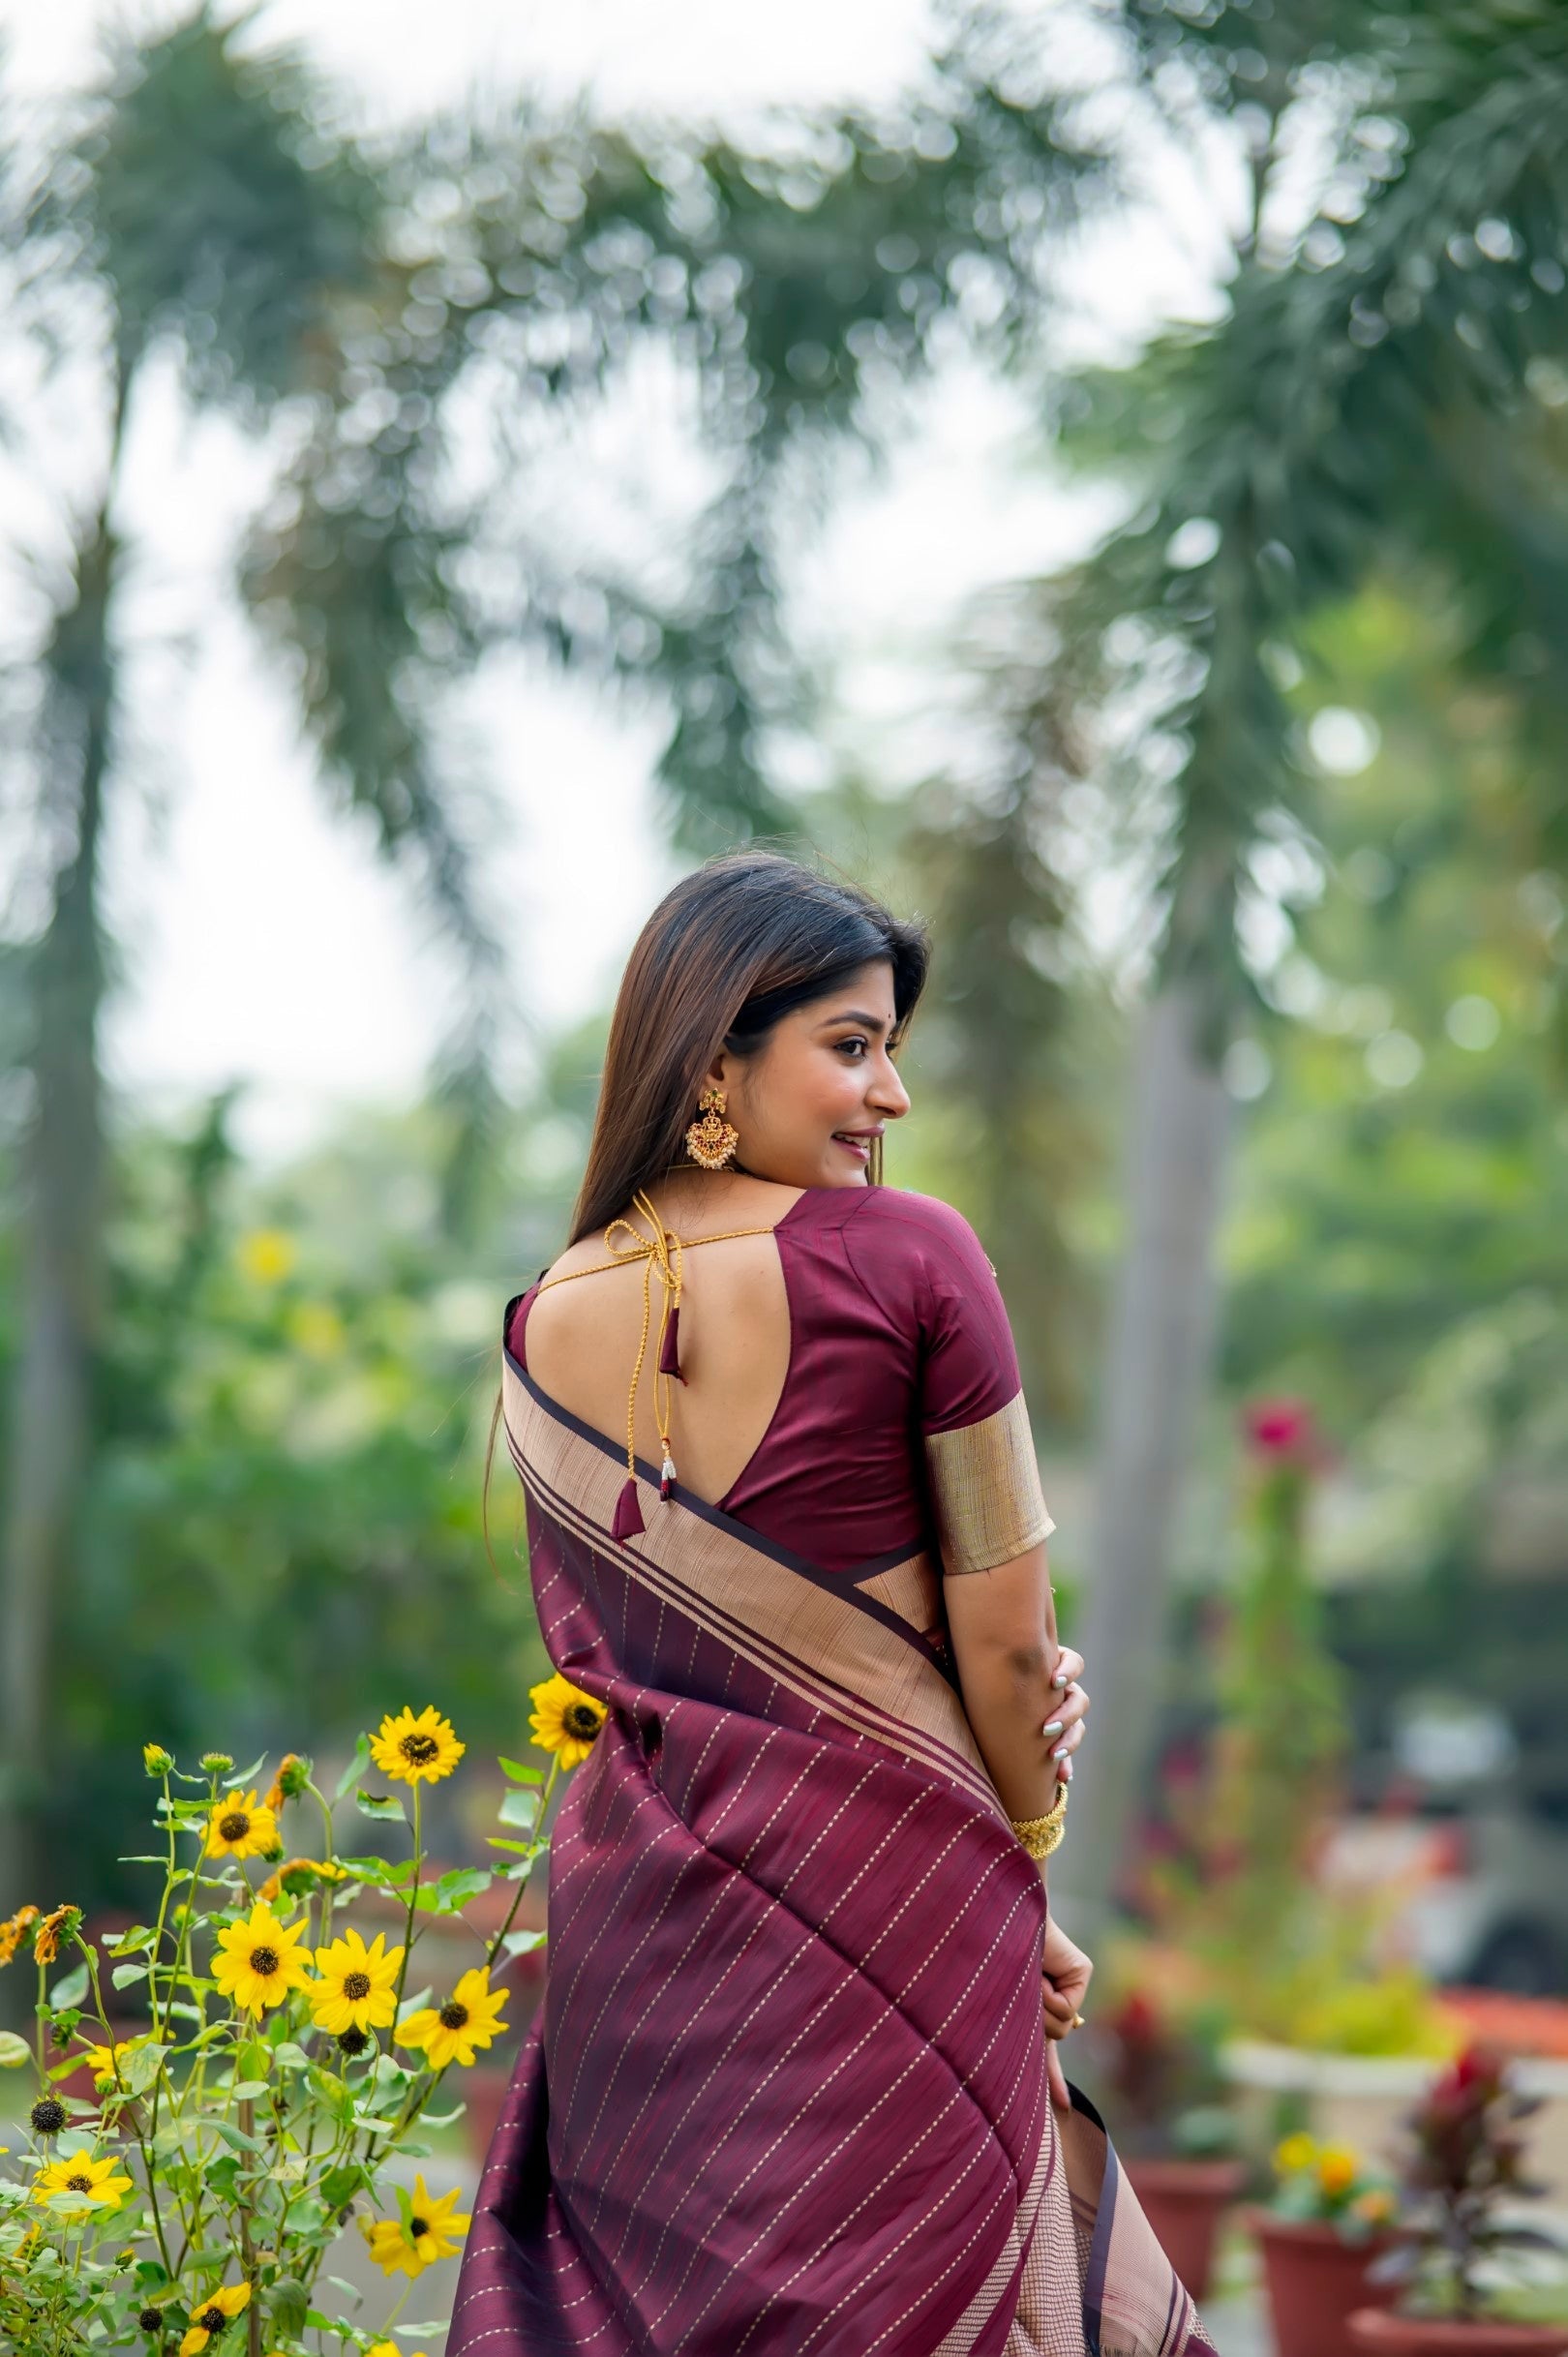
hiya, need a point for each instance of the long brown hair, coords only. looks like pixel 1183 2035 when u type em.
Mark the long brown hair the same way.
pixel 732 949
pixel 735 946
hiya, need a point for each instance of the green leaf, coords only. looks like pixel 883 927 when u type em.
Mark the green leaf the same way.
pixel 246 1776
pixel 70 1989
pixel 339 2185
pixel 522 1943
pixel 519 1773
pixel 287 2301
pixel 15 2051
pixel 140 1936
pixel 381 1806
pixel 517 1808
pixel 446 1894
pixel 254 2057
pixel 245 2090
pixel 230 2134
pixel 355 1768
pixel 518 1849
pixel 124 1975
pixel 288 2056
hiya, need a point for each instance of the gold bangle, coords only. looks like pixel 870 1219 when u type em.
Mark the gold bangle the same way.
pixel 1041 1835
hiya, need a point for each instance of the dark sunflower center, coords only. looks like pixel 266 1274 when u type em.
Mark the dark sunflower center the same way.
pixel 356 1985
pixel 263 1962
pixel 236 1826
pixel 49 2116
pixel 419 1749
pixel 453 2014
pixel 580 1719
pixel 78 2183
pixel 418 2227
pixel 151 2319
pixel 212 2319
pixel 351 2042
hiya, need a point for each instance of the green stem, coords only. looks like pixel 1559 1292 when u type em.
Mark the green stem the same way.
pixel 325 1808
pixel 163 1908
pixel 523 1880
pixel 38 2033
pixel 143 2145
pixel 414 1906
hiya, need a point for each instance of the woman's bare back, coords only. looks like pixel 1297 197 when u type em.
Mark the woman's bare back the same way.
pixel 580 1337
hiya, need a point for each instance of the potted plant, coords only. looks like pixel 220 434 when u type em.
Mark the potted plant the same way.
pixel 1176 2139
pixel 1329 2219
pixel 1453 2230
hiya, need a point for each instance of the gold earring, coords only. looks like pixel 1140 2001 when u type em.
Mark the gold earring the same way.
pixel 711 1140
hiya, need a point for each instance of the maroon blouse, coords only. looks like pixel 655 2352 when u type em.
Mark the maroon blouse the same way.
pixel 897 1333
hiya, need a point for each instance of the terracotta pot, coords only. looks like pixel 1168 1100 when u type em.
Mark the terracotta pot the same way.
pixel 1375 2330
pixel 1184 2201
pixel 1314 2279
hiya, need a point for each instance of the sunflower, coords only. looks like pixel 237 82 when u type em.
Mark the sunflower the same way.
pixel 239 1828
pixel 564 1719
pixel 1335 2168
pixel 357 1989
pixel 209 2316
pixel 434 2232
pixel 454 2032
pixel 102 2181
pixel 51 1931
pixel 259 1960
pixel 14 1931
pixel 298 1875
pixel 416 1750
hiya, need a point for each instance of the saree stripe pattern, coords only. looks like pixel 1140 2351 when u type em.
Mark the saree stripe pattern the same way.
pixel 786 2095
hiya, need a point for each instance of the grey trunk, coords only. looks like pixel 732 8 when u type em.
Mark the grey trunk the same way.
pixel 1156 1373
pixel 49 1431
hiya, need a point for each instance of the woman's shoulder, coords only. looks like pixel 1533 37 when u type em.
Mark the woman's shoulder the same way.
pixel 912 1236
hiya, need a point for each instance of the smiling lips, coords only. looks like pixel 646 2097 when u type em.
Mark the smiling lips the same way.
pixel 859 1142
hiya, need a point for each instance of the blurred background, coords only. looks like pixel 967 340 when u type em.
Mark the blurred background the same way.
pixel 1098 472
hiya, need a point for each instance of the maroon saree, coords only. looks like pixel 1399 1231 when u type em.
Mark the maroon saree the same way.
pixel 786 2096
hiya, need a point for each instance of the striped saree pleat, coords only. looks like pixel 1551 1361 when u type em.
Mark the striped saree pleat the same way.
pixel 786 2093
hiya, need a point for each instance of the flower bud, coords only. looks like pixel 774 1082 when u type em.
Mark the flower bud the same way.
pixel 156 1760
pixel 215 1763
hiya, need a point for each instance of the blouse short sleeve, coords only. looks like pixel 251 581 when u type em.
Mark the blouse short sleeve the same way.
pixel 979 1453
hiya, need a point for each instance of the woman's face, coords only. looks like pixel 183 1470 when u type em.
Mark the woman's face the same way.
pixel 821 1087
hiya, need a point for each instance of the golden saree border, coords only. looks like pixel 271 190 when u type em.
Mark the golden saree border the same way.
pixel 849 1656
pixel 985 1488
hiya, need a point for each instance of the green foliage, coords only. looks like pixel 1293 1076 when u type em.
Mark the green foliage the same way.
pixel 282 2069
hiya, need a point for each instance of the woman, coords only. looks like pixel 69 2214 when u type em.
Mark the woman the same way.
pixel 794 2087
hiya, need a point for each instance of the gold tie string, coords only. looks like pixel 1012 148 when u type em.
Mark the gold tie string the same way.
pixel 660 1253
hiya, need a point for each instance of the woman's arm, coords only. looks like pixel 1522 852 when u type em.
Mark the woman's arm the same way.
pixel 1003 1628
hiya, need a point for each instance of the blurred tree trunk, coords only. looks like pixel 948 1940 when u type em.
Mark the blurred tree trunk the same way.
pixel 1156 1373
pixel 49 1442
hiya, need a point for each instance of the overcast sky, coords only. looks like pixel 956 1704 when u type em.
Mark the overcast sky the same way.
pixel 260 940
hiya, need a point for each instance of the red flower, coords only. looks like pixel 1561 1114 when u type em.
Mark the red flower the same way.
pixel 1280 1428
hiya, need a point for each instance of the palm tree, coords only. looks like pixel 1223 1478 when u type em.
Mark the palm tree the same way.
pixel 198 210
pixel 203 210
pixel 1383 389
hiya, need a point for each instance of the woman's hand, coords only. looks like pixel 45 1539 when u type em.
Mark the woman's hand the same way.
pixel 1063 1730
pixel 1064 1973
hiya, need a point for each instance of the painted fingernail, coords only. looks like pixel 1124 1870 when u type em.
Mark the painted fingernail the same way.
pixel 1067 1770
pixel 1055 1728
pixel 1061 1751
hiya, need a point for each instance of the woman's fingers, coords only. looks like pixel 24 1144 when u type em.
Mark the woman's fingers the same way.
pixel 1056 2080
pixel 1063 1728
pixel 1069 1666
pixel 1058 2007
